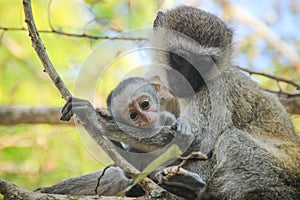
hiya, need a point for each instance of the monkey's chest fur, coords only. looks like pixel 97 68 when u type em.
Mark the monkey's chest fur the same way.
pixel 243 129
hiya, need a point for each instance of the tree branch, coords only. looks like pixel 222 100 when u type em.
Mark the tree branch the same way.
pixel 291 101
pixel 41 51
pixel 276 78
pixel 132 136
pixel 12 115
pixel 83 35
pixel 105 144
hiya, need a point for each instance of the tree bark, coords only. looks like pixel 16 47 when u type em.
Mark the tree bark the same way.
pixel 12 115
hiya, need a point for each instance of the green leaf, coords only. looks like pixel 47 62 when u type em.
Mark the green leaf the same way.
pixel 171 153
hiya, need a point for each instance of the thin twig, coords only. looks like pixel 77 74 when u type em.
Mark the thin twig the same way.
pixel 82 35
pixel 41 51
pixel 282 93
pixel 277 78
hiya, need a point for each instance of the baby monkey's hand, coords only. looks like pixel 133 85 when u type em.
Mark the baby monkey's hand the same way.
pixel 182 125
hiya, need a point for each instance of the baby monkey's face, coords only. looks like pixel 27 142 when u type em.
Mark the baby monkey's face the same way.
pixel 142 111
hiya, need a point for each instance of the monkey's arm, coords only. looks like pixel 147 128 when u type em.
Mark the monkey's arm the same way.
pixel 111 183
pixel 98 125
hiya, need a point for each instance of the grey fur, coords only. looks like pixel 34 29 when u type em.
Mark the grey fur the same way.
pixel 256 150
pixel 119 99
pixel 254 146
pixel 86 184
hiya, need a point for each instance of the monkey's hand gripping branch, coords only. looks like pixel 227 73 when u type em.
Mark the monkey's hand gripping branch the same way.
pixel 97 125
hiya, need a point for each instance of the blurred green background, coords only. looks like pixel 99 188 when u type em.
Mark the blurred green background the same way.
pixel 40 155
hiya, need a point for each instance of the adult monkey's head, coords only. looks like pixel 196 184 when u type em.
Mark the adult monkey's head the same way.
pixel 194 42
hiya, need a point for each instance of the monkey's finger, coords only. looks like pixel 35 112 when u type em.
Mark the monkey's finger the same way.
pixel 180 129
pixel 178 176
pixel 179 124
pixel 66 115
pixel 72 101
pixel 189 130
pixel 84 111
pixel 66 112
pixel 82 105
pixel 66 106
pixel 74 108
pixel 185 130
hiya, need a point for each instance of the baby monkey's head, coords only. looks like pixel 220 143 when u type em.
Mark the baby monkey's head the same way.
pixel 135 102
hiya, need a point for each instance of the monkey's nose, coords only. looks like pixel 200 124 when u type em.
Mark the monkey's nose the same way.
pixel 146 120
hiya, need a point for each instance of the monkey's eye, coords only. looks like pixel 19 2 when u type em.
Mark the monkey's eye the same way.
pixel 133 115
pixel 145 104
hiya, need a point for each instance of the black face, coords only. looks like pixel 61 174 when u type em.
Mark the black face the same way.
pixel 193 70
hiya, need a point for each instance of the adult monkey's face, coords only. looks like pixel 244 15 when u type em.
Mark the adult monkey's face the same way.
pixel 194 45
pixel 192 69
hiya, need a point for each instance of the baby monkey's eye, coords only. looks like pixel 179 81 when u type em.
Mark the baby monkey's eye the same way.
pixel 145 104
pixel 133 115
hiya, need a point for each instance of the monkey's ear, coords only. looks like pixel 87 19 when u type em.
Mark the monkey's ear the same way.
pixel 157 87
pixel 156 83
pixel 155 79
pixel 158 20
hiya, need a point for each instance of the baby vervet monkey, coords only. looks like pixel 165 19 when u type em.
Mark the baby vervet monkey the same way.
pixel 145 104
pixel 168 101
